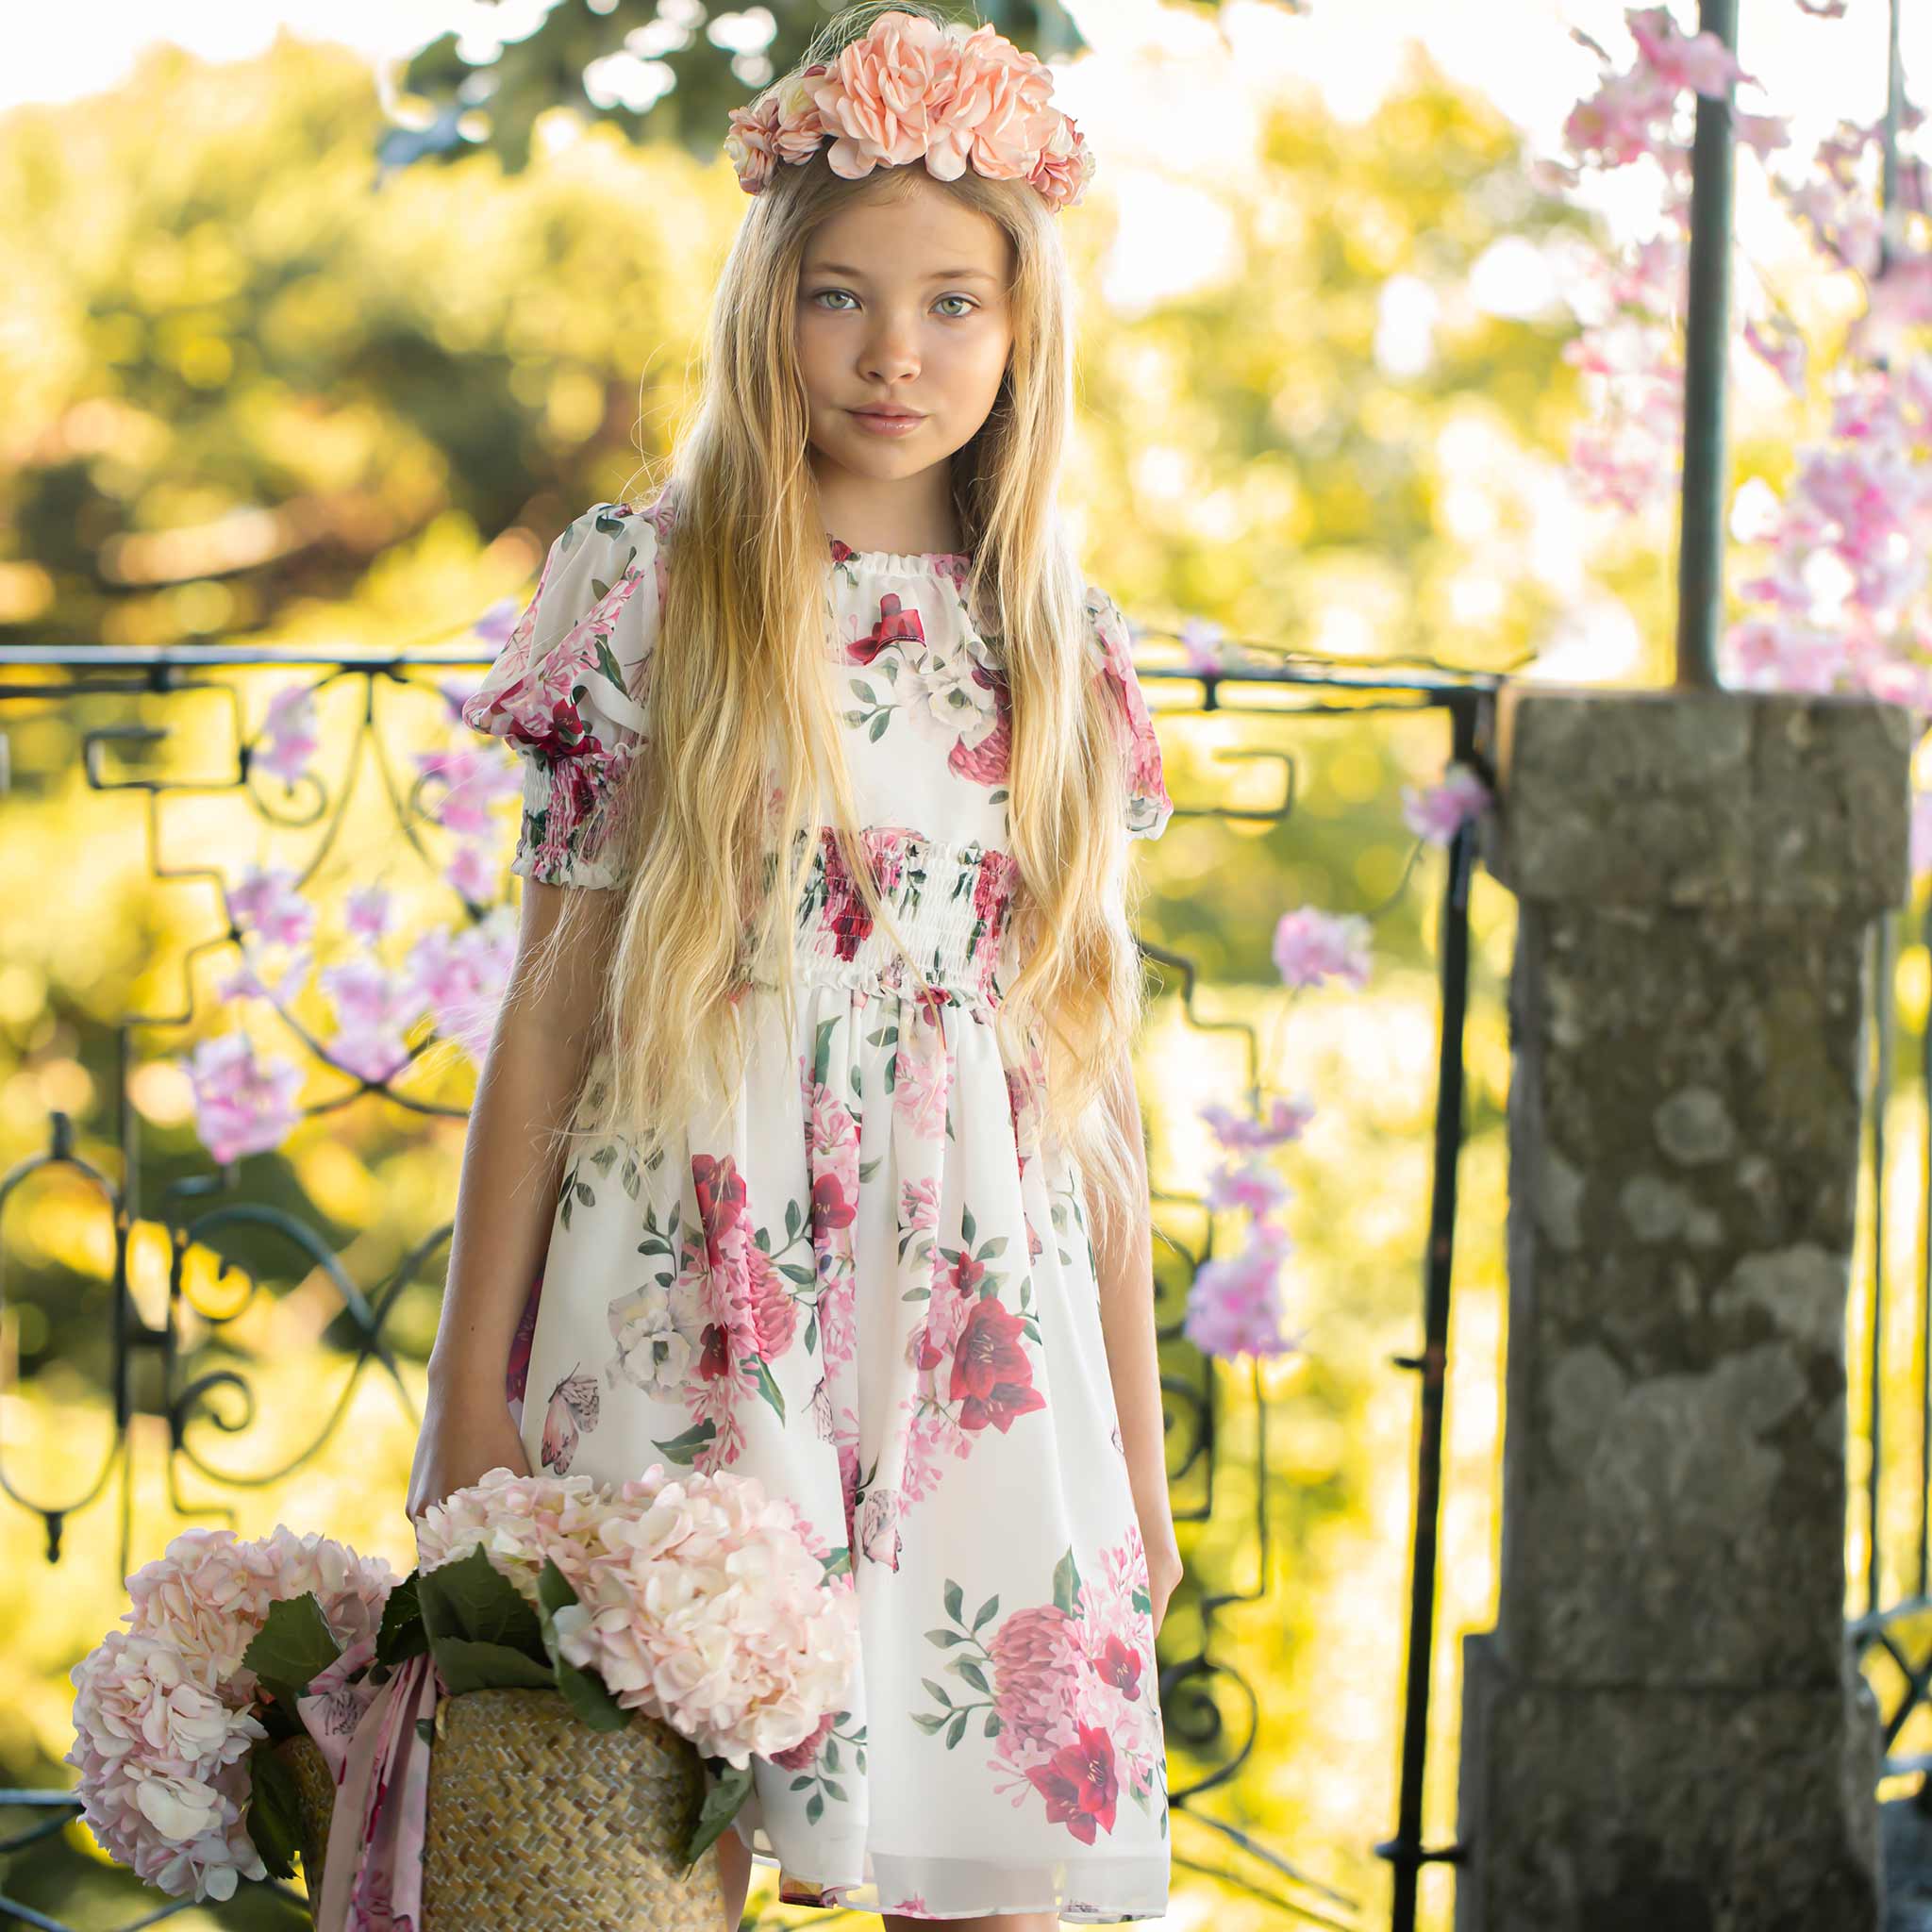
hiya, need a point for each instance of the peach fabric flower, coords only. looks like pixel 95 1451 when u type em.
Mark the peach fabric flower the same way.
pixel 752 141
pixel 997 117
pixel 909 89
pixel 880 97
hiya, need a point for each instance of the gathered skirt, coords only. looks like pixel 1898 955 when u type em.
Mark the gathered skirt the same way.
pixel 867 1282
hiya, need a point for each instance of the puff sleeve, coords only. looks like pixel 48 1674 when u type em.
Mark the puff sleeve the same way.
pixel 563 691
pixel 1110 653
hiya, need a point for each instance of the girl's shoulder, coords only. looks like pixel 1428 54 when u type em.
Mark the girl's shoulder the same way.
pixel 568 688
pixel 583 641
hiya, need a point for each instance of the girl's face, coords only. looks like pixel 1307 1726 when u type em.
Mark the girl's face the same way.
pixel 902 302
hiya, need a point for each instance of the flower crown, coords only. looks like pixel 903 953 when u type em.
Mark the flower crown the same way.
pixel 907 87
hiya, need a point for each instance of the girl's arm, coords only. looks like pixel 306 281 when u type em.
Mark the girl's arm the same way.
pixel 1126 1267
pixel 506 1195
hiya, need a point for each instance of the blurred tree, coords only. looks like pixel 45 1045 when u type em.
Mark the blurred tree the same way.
pixel 662 70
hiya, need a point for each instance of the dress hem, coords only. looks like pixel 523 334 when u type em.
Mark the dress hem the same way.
pixel 835 1897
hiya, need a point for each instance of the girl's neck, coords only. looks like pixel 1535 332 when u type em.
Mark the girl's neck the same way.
pixel 912 517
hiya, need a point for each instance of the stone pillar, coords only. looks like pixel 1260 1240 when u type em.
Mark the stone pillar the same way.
pixel 1664 1731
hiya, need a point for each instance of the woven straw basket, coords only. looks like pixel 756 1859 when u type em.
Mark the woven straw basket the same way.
pixel 538 1823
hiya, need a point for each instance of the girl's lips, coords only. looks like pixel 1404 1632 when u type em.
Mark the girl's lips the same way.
pixel 887 425
pixel 889 415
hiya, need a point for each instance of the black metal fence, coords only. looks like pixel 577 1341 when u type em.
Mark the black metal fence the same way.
pixel 120 704
pixel 1889 1339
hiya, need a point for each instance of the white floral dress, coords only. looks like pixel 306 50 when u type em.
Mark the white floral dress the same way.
pixel 867 1282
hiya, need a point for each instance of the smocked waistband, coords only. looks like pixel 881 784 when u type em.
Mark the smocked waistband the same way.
pixel 950 904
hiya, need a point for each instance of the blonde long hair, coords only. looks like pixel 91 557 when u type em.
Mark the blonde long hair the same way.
pixel 738 661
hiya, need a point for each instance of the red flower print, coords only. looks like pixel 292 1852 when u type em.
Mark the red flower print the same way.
pixel 715 1359
pixel 517 1376
pixel 965 1273
pixel 1080 1785
pixel 832 1204
pixel 898 623
pixel 1119 1664
pixel 993 890
pixel 721 1197
pixel 744 1290
pixel 845 914
pixel 990 1369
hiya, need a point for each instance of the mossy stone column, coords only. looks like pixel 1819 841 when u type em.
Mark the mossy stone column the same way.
pixel 1664 1731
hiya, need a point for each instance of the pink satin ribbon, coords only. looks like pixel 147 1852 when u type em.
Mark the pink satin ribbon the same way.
pixel 372 1864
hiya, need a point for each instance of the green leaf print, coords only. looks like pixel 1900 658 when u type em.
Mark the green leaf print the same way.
pixel 769 1389
pixel 957 1730
pixel 987 1609
pixel 608 663
pixel 946 1637
pixel 684 1448
pixel 956 1600
pixel 838 1562
pixel 939 1692
pixel 966 1225
pixel 1066 1585
pixel 973 1673
pixel 814 1808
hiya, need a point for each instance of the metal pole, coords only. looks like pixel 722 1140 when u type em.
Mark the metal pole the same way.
pixel 1707 347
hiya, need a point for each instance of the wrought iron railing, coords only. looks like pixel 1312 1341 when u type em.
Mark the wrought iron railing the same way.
pixel 209 1210
pixel 1892 1508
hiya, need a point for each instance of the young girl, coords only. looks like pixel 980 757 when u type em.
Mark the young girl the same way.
pixel 818 1037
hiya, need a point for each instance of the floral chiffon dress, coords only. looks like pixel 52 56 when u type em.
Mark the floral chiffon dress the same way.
pixel 867 1281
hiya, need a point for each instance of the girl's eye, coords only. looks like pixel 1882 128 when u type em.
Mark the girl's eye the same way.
pixel 953 315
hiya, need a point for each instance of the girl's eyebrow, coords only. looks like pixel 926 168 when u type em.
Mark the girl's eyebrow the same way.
pixel 939 274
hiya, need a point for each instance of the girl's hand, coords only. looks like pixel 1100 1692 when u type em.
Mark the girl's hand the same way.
pixel 461 1442
pixel 1163 1570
